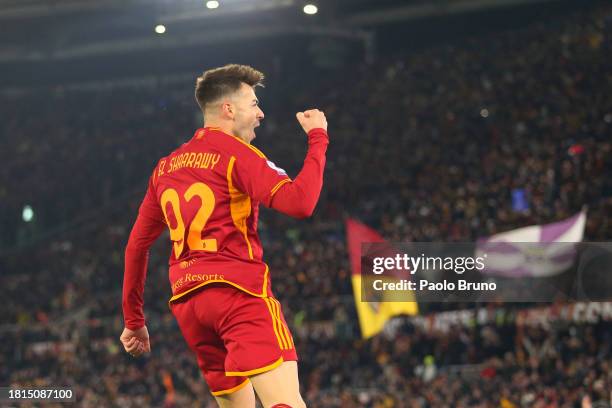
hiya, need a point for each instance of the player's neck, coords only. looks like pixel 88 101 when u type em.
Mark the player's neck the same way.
pixel 218 125
pixel 225 128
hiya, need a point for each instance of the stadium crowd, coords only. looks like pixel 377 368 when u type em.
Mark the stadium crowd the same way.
pixel 428 148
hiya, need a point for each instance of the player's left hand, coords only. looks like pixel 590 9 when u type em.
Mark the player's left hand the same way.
pixel 136 342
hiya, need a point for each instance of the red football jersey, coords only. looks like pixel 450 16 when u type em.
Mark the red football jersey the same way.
pixel 207 194
pixel 198 192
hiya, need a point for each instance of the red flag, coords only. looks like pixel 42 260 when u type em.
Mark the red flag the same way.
pixel 372 315
pixel 356 233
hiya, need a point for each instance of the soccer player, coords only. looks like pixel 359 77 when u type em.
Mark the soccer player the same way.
pixel 207 193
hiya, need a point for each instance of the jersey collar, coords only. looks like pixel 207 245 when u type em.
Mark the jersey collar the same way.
pixel 200 133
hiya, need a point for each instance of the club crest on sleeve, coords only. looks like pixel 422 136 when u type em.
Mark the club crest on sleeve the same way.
pixel 273 166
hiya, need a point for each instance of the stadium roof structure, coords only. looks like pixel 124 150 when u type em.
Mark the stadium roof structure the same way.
pixel 50 42
pixel 36 30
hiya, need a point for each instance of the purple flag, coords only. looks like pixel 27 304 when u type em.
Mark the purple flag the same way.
pixel 534 251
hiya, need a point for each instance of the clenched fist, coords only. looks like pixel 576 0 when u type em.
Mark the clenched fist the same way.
pixel 312 119
pixel 136 342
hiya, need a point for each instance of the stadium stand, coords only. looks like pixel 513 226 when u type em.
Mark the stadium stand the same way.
pixel 425 147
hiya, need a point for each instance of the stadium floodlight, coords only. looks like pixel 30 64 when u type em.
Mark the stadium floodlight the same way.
pixel 160 29
pixel 310 9
pixel 27 213
pixel 212 4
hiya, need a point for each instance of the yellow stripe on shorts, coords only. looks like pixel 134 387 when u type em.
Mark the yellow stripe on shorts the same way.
pixel 285 329
pixel 281 328
pixel 274 323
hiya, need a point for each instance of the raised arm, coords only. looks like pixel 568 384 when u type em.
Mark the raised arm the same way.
pixel 299 197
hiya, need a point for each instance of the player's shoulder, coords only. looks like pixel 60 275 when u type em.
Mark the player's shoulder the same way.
pixel 235 146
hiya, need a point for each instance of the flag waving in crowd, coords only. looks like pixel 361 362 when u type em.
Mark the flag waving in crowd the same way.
pixel 372 315
pixel 535 251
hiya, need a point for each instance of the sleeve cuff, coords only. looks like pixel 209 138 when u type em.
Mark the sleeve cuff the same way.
pixel 134 324
pixel 317 132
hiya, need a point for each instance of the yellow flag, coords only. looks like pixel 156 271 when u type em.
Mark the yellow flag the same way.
pixel 372 315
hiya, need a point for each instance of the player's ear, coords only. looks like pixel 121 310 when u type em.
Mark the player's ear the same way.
pixel 228 110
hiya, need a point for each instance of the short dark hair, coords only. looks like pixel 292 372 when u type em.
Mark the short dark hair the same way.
pixel 218 82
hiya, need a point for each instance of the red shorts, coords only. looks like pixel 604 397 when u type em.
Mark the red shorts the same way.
pixel 233 334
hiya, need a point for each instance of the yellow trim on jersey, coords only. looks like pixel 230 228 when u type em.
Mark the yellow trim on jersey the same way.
pixel 255 371
pixel 230 390
pixel 240 206
pixel 264 290
pixel 284 327
pixel 275 325
pixel 278 185
pixel 263 294
pixel 200 134
pixel 250 146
